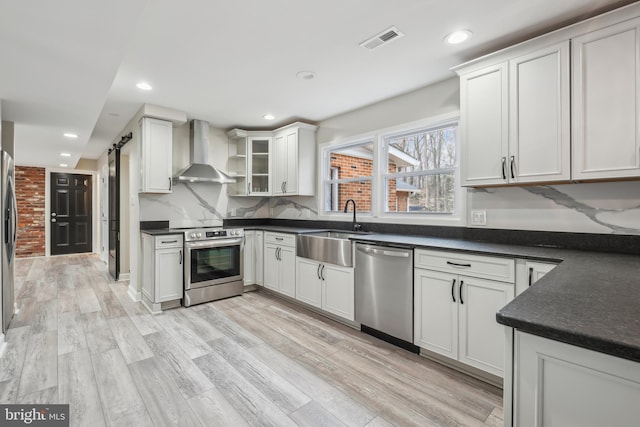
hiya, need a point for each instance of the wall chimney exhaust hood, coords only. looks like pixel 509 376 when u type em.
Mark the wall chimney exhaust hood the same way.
pixel 200 170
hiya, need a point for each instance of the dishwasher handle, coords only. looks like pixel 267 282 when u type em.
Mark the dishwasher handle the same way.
pixel 400 253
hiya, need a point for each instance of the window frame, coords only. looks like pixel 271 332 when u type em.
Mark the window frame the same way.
pixel 378 184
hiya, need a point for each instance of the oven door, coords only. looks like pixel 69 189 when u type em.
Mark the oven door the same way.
pixel 213 262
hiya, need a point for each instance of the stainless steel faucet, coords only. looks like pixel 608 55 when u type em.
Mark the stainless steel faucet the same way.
pixel 355 226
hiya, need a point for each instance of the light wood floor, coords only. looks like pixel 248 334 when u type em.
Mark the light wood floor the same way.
pixel 250 360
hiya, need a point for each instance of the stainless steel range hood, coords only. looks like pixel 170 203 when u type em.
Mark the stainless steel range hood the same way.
pixel 200 170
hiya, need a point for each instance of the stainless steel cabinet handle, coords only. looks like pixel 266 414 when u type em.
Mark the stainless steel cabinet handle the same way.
pixel 322 273
pixel 512 166
pixel 170 183
pixel 318 271
pixel 285 186
pixel 504 168
pixel 248 188
pixel 180 256
pixel 280 239
pixel 169 241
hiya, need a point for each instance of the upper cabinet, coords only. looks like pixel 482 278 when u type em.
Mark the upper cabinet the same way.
pixel 606 140
pixel 295 160
pixel 558 108
pixel 515 119
pixel 273 163
pixel 156 138
pixel 250 163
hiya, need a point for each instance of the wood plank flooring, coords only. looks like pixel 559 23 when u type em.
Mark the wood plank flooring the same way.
pixel 253 360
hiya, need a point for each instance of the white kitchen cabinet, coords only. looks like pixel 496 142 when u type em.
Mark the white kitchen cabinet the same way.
pixel 515 119
pixel 455 312
pixel 280 263
pixel 162 270
pixel 295 160
pixel 326 286
pixel 557 384
pixel 250 163
pixel 155 153
pixel 605 95
pixel 484 125
pixel 253 257
pixel 529 272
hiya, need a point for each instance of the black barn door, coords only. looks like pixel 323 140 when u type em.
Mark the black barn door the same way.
pixel 71 214
pixel 114 213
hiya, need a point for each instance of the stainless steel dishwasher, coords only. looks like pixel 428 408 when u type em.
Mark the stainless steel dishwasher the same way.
pixel 384 291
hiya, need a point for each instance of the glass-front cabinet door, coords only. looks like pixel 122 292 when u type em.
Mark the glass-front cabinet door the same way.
pixel 259 165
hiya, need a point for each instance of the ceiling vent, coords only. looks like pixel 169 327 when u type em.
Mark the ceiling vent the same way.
pixel 387 36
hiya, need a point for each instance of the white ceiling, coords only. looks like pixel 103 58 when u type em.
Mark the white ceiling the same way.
pixel 72 66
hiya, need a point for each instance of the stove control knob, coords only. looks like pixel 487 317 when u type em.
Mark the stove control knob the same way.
pixel 234 232
pixel 199 235
pixel 192 235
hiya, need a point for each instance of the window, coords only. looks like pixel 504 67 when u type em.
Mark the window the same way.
pixel 348 175
pixel 420 175
pixel 409 170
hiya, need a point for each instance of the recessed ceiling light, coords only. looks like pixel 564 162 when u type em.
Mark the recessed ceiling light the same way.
pixel 71 135
pixel 306 75
pixel 144 86
pixel 268 117
pixel 65 154
pixel 458 36
pixel 63 165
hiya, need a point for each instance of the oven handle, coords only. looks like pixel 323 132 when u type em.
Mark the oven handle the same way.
pixel 214 243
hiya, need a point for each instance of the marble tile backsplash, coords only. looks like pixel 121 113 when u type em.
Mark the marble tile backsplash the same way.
pixel 608 208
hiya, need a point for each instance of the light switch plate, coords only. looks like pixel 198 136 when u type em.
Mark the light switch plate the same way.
pixel 478 217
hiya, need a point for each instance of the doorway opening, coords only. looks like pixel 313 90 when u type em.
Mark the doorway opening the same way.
pixel 71 213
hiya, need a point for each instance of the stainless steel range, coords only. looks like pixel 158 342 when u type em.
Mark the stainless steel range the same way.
pixel 213 264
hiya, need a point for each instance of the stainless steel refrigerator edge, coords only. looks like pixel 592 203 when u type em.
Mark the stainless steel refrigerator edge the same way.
pixel 384 289
pixel 8 235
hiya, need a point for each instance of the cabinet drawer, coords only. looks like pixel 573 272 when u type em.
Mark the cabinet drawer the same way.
pixel 169 241
pixel 481 266
pixel 280 238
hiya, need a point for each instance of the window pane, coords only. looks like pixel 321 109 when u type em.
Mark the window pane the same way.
pixel 337 195
pixel 352 162
pixel 424 150
pixel 424 193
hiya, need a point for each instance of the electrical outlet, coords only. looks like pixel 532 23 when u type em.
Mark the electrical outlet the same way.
pixel 478 217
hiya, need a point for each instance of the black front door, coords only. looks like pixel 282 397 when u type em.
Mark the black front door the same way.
pixel 114 213
pixel 71 216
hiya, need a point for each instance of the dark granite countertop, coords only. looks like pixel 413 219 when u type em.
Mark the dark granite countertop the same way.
pixel 282 229
pixel 591 299
pixel 163 231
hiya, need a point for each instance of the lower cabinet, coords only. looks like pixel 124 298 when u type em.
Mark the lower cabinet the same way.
pixel 455 316
pixel 557 384
pixel 279 268
pixel 162 270
pixel 326 286
pixel 253 272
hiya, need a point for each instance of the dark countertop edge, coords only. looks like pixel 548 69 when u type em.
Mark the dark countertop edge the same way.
pixel 577 339
pixel 162 232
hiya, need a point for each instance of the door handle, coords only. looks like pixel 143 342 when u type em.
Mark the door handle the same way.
pixel 453 292
pixel 285 186
pixel 248 188
pixel 318 271
pixel 180 256
pixel 461 283
pixel 170 183
pixel 322 273
pixel 530 276
pixel 456 264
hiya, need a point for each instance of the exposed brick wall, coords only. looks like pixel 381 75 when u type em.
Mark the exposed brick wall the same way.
pixel 352 167
pixel 30 194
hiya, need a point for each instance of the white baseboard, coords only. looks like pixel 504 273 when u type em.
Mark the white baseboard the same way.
pixel 134 294
pixel 123 277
